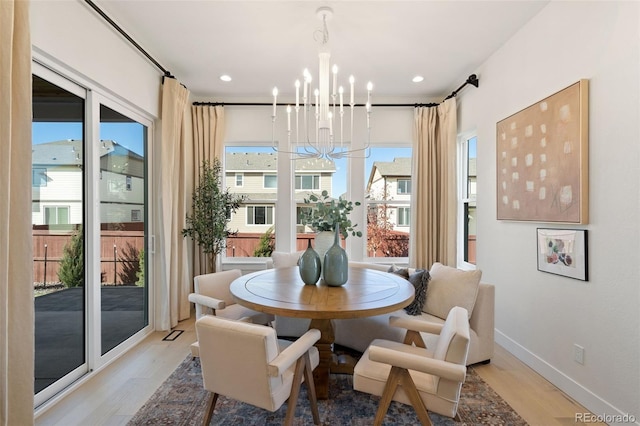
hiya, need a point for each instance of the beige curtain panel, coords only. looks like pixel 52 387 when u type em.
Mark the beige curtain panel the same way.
pixel 434 199
pixel 16 252
pixel 173 198
pixel 208 143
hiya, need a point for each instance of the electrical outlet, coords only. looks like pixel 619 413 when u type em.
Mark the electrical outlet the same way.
pixel 578 354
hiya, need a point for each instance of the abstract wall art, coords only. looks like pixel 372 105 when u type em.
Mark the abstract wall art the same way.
pixel 542 160
pixel 563 252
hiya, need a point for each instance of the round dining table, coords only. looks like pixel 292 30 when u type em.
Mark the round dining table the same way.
pixel 281 291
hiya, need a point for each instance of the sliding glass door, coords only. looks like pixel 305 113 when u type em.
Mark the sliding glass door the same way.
pixel 58 218
pixel 123 199
pixel 90 229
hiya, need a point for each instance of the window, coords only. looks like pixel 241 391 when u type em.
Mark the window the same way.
pixel 270 181
pixel 404 185
pixel 56 215
pixel 135 216
pixel 259 215
pixel 128 183
pixel 39 177
pixel 388 198
pixel 254 170
pixel 467 200
pixel 404 218
pixel 308 182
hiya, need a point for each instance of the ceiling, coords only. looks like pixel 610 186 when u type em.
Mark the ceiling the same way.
pixel 262 44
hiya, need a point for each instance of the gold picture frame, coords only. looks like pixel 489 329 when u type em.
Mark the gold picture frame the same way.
pixel 542 160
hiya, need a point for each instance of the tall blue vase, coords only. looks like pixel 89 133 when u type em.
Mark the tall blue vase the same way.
pixel 309 265
pixel 335 268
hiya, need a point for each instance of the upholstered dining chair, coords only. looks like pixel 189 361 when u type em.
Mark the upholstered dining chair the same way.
pixel 427 379
pixel 247 362
pixel 213 297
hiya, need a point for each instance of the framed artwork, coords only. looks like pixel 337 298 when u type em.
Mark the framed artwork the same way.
pixel 563 252
pixel 542 160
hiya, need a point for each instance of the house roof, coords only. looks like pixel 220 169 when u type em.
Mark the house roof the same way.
pixel 266 162
pixel 400 166
pixel 113 157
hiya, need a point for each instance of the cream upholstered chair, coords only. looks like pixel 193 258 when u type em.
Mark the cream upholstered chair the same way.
pixel 248 363
pixel 283 259
pixel 213 297
pixel 411 374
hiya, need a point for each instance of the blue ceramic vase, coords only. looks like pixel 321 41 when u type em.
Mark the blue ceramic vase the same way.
pixel 309 265
pixel 335 268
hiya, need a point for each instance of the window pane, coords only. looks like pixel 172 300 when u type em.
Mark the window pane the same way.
pixel 308 182
pixel 388 197
pixel 270 181
pixel 58 238
pixel 123 197
pixel 470 203
pixel 258 167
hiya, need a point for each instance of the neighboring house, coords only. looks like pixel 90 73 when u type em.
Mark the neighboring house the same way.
pixel 389 185
pixel 57 191
pixel 254 175
pixel 390 181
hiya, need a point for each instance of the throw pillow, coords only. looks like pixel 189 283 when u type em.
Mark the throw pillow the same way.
pixel 419 278
pixel 450 287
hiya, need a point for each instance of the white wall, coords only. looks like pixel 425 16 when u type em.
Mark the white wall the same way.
pixel 539 316
pixel 70 33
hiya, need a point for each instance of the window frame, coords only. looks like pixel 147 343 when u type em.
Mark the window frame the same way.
pixel 315 181
pixel 264 180
pixel 407 182
pixel 253 216
pixel 464 197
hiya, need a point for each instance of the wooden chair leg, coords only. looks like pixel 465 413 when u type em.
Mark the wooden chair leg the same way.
pixel 389 389
pixel 295 391
pixel 411 391
pixel 311 388
pixel 412 337
pixel 211 404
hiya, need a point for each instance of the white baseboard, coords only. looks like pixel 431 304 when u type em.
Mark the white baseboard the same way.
pixel 575 390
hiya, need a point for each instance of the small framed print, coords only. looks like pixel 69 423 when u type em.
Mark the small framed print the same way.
pixel 563 252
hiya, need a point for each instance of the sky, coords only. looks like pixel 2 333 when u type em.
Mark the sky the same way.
pixel 129 135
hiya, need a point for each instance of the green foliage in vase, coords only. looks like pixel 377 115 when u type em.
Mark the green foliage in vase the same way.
pixel 71 272
pixel 211 210
pixel 326 212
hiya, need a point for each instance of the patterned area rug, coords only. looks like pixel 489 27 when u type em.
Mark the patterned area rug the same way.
pixel 181 400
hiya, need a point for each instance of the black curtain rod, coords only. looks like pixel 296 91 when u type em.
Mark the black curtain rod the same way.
pixel 472 79
pixel 165 72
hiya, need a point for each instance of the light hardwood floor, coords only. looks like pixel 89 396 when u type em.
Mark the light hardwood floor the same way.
pixel 116 393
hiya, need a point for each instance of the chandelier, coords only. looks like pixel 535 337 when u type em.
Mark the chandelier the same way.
pixel 323 121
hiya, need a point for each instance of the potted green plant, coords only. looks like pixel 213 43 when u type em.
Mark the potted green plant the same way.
pixel 211 209
pixel 324 214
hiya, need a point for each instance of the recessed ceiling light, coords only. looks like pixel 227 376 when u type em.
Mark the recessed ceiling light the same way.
pixel 225 77
pixel 417 79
